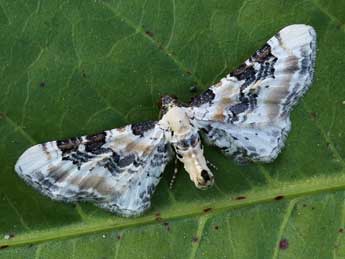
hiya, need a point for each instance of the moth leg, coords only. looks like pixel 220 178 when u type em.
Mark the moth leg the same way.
pixel 209 163
pixel 173 178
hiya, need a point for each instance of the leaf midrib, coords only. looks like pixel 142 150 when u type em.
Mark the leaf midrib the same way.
pixel 289 192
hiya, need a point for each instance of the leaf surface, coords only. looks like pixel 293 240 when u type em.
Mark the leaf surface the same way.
pixel 70 68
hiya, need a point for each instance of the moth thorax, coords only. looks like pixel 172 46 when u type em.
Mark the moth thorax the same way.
pixel 178 120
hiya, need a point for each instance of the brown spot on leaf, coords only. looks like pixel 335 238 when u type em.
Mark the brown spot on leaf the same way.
pixel 158 216
pixel 119 237
pixel 283 244
pixel 279 197
pixel 3 246
pixel 240 197
pixel 167 226
pixel 216 227
pixel 341 230
pixel 43 84
pixel 149 33
pixel 207 210
pixel 195 239
pixel 313 115
pixel 2 115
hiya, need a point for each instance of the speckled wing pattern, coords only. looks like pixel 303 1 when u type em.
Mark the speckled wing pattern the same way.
pixel 246 114
pixel 117 170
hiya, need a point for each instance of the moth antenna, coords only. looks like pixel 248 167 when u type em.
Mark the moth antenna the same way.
pixel 173 178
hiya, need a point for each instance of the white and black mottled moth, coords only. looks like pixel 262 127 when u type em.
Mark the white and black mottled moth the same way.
pixel 246 114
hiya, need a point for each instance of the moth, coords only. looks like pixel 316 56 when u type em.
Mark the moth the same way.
pixel 245 114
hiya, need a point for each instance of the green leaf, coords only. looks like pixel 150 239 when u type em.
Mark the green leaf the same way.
pixel 70 68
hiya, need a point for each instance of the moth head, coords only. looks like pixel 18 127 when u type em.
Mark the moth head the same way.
pixel 205 180
pixel 198 172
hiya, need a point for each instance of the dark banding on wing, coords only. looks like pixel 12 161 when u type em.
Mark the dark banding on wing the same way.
pixel 250 74
pixel 244 72
pixel 205 97
pixel 95 142
pixel 141 127
pixel 68 145
pixel 263 54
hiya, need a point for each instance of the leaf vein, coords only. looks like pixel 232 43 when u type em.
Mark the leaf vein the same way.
pixel 327 139
pixel 20 130
pixel 285 220
pixel 201 226
pixel 173 25
pixel 139 29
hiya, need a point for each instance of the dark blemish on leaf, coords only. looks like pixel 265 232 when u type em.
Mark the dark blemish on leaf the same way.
pixel 304 205
pixel 195 239
pixel 83 74
pixel 3 246
pixel 118 237
pixel 312 208
pixel 149 33
pixel 338 25
pixel 313 115
pixel 207 210
pixel 166 225
pixel 193 89
pixel 341 230
pixel 240 197
pixel 279 197
pixel 283 244
pixel 2 115
pixel 158 216
pixel 189 72
pixel 43 84
pixel 216 227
